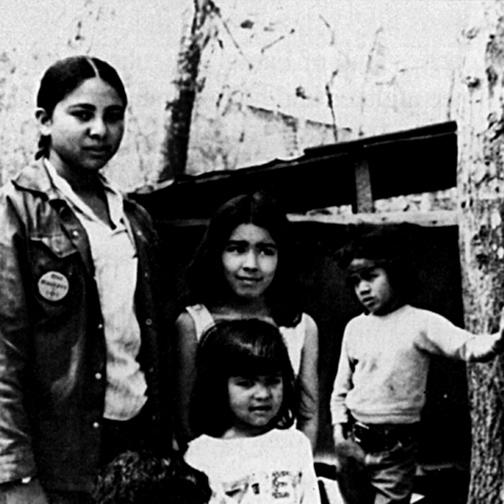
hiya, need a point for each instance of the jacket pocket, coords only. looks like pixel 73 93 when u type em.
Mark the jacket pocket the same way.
pixel 55 263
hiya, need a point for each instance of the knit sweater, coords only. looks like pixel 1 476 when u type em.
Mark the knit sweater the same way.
pixel 384 361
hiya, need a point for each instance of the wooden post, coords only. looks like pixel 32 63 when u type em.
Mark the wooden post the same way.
pixel 363 190
pixel 481 199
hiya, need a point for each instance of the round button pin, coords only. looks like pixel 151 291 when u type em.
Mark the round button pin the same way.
pixel 53 286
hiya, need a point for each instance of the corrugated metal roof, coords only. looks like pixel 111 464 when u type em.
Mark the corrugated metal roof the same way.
pixel 413 161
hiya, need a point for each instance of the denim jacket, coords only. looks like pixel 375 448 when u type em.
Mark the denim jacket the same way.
pixel 52 343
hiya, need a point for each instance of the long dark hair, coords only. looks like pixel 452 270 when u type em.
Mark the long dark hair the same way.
pixel 244 347
pixel 205 277
pixel 63 77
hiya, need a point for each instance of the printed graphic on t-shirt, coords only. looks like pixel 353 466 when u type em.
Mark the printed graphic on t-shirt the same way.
pixel 279 487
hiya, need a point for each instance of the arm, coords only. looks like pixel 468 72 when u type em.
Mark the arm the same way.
pixel 444 338
pixel 343 383
pixel 16 457
pixel 349 455
pixel 185 373
pixel 308 384
pixel 339 432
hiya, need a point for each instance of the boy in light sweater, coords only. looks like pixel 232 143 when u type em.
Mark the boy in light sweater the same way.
pixel 379 390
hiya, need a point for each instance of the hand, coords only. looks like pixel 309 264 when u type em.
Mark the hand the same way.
pixel 339 433
pixel 498 346
pixel 349 450
pixel 29 493
pixel 353 478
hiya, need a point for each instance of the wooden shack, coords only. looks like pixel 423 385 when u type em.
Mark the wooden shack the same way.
pixel 355 173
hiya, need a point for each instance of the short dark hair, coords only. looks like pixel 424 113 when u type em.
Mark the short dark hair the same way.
pixel 141 477
pixel 241 347
pixel 388 246
pixel 67 74
pixel 205 276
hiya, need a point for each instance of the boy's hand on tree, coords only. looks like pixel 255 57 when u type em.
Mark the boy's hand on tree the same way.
pixel 498 346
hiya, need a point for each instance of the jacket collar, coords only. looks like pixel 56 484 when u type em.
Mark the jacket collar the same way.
pixel 34 178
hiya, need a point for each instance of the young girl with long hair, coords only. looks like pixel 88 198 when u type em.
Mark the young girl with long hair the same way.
pixel 243 268
pixel 81 333
pixel 242 407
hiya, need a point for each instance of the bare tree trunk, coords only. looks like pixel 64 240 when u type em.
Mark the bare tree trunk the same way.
pixel 180 109
pixel 481 190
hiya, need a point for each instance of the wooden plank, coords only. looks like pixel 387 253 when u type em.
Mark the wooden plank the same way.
pixel 437 218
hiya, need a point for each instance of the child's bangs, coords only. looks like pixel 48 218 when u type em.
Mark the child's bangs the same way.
pixel 253 360
pixel 254 365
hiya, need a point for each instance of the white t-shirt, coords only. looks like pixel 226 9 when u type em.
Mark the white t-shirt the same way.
pixel 273 468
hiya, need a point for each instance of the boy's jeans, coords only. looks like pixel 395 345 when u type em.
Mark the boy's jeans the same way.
pixel 390 471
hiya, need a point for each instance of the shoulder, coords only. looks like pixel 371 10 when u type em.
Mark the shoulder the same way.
pixel 309 323
pixel 186 329
pixel 8 189
pixel 25 198
pixel 184 322
pixel 305 328
pixel 11 198
pixel 132 205
pixel 310 332
pixel 287 435
pixel 209 448
pixel 31 181
pixel 291 441
pixel 194 320
pixel 186 326
pixel 138 215
pixel 357 321
pixel 200 449
pixel 201 441
pixel 421 316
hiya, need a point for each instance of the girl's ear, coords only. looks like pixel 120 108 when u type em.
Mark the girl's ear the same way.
pixel 44 121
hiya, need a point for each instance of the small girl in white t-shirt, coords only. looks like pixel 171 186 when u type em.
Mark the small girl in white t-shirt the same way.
pixel 242 407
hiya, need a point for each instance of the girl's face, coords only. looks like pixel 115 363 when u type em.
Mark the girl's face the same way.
pixel 372 286
pixel 254 402
pixel 86 127
pixel 250 260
